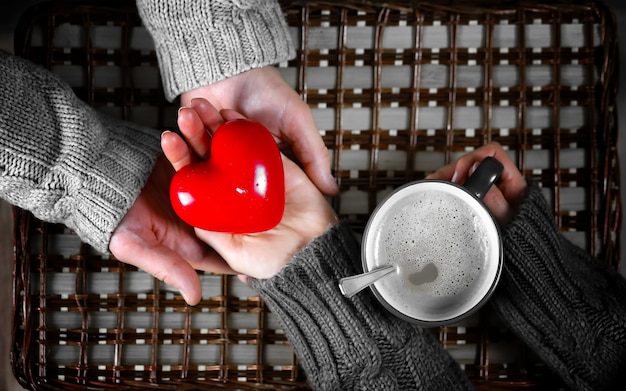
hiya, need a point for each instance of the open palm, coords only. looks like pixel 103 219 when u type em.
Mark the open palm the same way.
pixel 260 255
pixel 153 238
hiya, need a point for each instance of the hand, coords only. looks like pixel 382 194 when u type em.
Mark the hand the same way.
pixel 260 255
pixel 153 238
pixel 263 95
pixel 502 199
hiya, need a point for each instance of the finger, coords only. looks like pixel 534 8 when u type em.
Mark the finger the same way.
pixel 230 115
pixel 208 114
pixel 444 173
pixel 512 183
pixel 194 132
pixel 300 131
pixel 176 150
pixel 460 170
pixel 466 165
pixel 498 205
pixel 165 265
pixel 212 263
pixel 316 165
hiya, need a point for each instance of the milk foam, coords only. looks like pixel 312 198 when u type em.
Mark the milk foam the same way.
pixel 439 228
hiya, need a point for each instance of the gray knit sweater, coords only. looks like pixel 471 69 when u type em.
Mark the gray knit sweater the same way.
pixel 201 42
pixel 64 162
pixel 570 309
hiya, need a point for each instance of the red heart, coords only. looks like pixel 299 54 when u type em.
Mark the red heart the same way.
pixel 240 189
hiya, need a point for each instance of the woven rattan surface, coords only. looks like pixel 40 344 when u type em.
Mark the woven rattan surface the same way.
pixel 396 91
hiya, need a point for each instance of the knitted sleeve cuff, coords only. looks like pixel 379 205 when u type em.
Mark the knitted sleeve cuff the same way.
pixel 91 189
pixel 200 43
pixel 111 185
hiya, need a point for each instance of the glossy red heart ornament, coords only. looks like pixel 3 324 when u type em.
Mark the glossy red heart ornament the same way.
pixel 240 189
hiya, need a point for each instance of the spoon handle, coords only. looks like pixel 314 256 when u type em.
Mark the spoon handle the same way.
pixel 350 286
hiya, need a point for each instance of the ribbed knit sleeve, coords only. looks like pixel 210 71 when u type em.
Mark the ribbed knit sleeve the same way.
pixel 569 308
pixel 62 161
pixel 351 344
pixel 202 42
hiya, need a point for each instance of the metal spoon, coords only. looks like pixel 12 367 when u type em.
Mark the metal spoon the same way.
pixel 350 286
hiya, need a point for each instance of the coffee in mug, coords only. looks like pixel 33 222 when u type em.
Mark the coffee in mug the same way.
pixel 444 243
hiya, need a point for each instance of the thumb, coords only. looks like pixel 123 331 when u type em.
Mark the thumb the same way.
pixel 302 134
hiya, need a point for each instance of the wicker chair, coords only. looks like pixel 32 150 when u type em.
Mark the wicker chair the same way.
pixel 397 90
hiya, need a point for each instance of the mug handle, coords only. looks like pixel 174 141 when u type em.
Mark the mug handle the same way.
pixel 485 175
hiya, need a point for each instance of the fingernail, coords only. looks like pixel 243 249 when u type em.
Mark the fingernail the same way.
pixel 454 177
pixel 165 132
pixel 196 101
pixel 332 181
pixel 184 295
pixel 474 166
pixel 182 107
